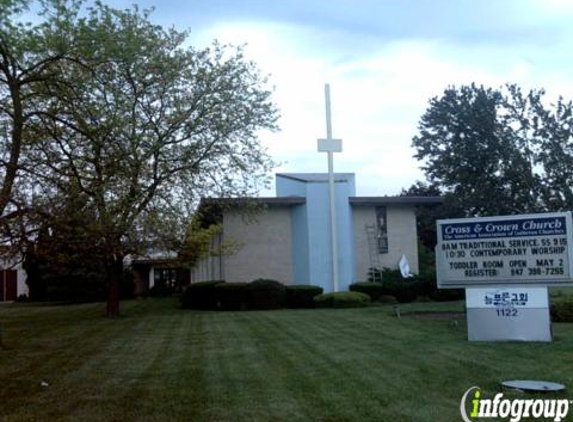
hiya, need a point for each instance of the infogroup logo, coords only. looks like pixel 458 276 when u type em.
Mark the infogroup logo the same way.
pixel 474 407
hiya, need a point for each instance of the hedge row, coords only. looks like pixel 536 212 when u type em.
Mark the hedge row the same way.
pixel 388 282
pixel 406 290
pixel 342 300
pixel 562 309
pixel 259 294
pixel 302 296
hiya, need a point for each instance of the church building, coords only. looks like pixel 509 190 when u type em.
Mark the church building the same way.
pixel 288 237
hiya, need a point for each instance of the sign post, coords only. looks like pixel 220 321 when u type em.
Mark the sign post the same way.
pixel 505 264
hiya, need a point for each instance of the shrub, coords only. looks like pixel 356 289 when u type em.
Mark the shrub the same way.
pixel 231 296
pixel 200 295
pixel 72 289
pixel 427 278
pixel 445 295
pixel 391 276
pixel 403 289
pixel 428 284
pixel 301 295
pixel 342 300
pixel 374 290
pixel 406 291
pixel 393 284
pixel 265 294
pixel 160 291
pixel 429 287
pixel 562 309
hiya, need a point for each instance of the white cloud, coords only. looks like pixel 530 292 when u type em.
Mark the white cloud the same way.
pixel 379 91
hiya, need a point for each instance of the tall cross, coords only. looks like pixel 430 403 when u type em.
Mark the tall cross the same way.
pixel 330 146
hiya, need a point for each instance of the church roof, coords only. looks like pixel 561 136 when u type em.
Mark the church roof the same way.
pixel 395 200
pixel 274 200
pixel 317 177
pixel 299 200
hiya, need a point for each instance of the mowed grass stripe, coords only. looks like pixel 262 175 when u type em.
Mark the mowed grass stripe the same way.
pixel 367 357
pixel 288 353
pixel 49 348
pixel 156 371
pixel 322 381
pixel 160 363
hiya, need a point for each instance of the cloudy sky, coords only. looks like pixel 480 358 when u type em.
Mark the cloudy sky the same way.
pixel 384 60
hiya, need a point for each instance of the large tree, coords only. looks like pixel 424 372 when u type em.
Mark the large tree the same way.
pixel 483 146
pixel 553 131
pixel 30 55
pixel 428 214
pixel 141 127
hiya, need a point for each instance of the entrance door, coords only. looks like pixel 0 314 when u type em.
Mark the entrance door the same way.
pixel 8 285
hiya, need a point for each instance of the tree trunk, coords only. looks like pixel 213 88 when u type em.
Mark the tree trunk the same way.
pixel 114 275
pixel 15 145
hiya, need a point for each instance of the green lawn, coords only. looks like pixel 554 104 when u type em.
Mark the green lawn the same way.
pixel 160 363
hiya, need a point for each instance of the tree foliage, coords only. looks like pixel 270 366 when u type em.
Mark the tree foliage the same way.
pixel 493 152
pixel 30 58
pixel 482 145
pixel 139 126
pixel 428 214
pixel 554 139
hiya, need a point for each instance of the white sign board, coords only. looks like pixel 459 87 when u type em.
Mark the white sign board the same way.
pixel 526 249
pixel 508 313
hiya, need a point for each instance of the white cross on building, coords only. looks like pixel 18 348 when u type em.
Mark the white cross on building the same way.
pixel 330 146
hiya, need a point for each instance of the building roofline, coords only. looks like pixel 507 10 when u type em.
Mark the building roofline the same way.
pixel 395 200
pixel 301 200
pixel 279 200
pixel 317 177
pixel 154 261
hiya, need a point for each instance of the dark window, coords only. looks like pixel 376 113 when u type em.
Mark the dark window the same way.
pixel 382 229
pixel 165 278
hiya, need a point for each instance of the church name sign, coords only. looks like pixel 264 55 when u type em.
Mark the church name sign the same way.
pixel 526 249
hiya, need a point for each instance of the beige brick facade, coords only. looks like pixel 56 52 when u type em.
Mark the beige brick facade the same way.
pixel 264 245
pixel 402 238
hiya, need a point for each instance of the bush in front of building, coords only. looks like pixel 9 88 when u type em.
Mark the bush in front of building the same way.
pixel 231 296
pixel 200 295
pixel 405 290
pixel 408 289
pixel 265 294
pixel 446 295
pixel 392 284
pixel 428 287
pixel 374 290
pixel 562 309
pixel 427 278
pixel 342 300
pixel 301 296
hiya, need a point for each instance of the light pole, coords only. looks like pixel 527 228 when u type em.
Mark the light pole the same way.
pixel 330 146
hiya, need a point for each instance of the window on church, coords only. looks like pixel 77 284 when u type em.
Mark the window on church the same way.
pixel 382 229
pixel 165 279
